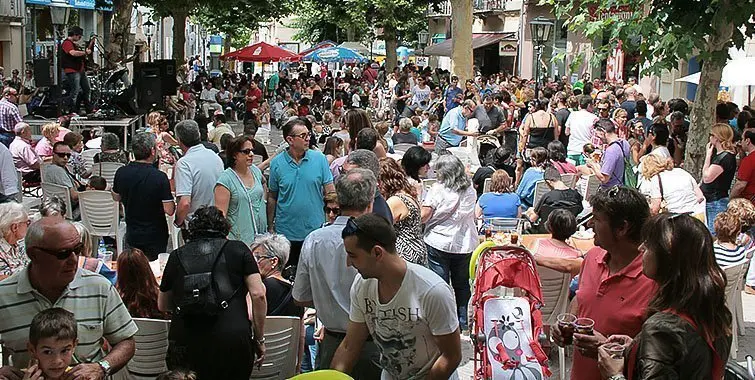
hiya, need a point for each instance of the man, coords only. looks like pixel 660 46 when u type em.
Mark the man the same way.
pixel 744 186
pixel 610 170
pixel 579 128
pixel 252 99
pixel 8 177
pixel 299 179
pixel 145 193
pixel 395 301
pixel 208 98
pixel 72 61
pixel 272 85
pixel 58 173
pixel 613 291
pixel 560 196
pixel 258 148
pixel 490 117
pixel 323 279
pixel 220 128
pixel 53 279
pixel 365 159
pixel 451 92
pixel 562 115
pixel 454 126
pixel 604 109
pixel 630 104
pixel 24 157
pixel 9 115
pixel 196 172
pixel 641 112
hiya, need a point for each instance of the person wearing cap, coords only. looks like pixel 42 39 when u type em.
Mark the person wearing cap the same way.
pixel 9 115
pixel 72 62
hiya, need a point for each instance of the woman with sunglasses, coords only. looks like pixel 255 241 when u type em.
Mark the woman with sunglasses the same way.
pixel 688 331
pixel 271 254
pixel 241 191
pixel 13 224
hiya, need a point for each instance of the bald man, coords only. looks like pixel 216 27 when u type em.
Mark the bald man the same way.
pixel 53 279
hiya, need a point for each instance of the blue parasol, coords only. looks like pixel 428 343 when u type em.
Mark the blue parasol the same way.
pixel 334 54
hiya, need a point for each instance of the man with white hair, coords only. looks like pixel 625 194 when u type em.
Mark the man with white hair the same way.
pixel 9 115
pixel 24 157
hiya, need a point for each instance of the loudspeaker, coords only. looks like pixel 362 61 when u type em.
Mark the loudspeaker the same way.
pixel 148 86
pixel 168 75
pixel 126 101
pixel 42 73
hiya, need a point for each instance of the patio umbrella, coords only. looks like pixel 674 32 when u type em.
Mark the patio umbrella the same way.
pixel 334 54
pixel 319 45
pixel 261 52
pixel 737 72
pixel 357 47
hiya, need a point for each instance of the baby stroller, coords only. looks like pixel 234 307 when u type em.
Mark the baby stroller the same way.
pixel 507 323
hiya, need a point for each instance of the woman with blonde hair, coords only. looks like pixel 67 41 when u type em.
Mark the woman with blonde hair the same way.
pixel 50 132
pixel 718 171
pixel 164 140
pixel 619 117
pixel 662 183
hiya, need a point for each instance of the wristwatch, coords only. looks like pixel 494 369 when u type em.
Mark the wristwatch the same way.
pixel 260 341
pixel 617 377
pixel 105 365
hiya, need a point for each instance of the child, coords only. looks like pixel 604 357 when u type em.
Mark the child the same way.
pixel 728 253
pixel 97 183
pixel 265 115
pixel 52 342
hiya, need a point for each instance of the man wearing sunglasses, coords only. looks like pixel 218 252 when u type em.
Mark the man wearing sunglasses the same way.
pixel 9 115
pixel 53 279
pixel 406 308
pixel 58 173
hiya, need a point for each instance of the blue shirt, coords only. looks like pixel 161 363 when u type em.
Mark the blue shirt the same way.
pixel 300 198
pixel 495 205
pixel 454 119
pixel 451 92
pixel 526 189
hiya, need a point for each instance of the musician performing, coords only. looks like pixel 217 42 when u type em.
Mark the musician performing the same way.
pixel 73 63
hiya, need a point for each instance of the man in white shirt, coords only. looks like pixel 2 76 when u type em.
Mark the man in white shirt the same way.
pixel 8 177
pixel 579 128
pixel 209 99
pixel 407 308
pixel 323 280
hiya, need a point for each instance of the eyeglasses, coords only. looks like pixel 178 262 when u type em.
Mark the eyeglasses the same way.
pixel 64 253
pixel 63 155
pixel 335 210
pixel 260 258
pixel 27 222
pixel 303 135
pixel 601 109
pixel 247 151
pixel 352 228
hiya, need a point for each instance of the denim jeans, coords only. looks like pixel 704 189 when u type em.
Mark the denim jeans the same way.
pixel 310 350
pixel 77 84
pixel 455 266
pixel 712 209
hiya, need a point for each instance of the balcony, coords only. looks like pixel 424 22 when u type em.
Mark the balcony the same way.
pixel 11 9
pixel 443 9
pixel 489 6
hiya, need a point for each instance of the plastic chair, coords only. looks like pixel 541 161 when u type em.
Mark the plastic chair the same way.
pixel 486 185
pixel 99 214
pixel 282 335
pixel 325 374
pixel 148 361
pixel 106 170
pixel 51 189
pixel 541 188
pixel 555 289
pixel 402 148
pixel 734 275
pixel 263 135
pixel 593 183
pixel 88 156
pixel 569 179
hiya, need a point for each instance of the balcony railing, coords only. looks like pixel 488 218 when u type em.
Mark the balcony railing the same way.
pixel 481 6
pixel 11 9
pixel 443 9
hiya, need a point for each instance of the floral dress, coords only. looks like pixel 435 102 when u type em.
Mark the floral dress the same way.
pixel 12 258
pixel 409 242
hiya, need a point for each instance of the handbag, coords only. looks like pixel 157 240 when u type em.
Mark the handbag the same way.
pixel 664 204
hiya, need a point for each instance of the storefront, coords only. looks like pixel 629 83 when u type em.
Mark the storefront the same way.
pixel 40 37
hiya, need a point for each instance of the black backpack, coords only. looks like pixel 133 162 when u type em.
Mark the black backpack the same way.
pixel 205 288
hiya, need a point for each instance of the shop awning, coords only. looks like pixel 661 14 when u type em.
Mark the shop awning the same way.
pixel 478 40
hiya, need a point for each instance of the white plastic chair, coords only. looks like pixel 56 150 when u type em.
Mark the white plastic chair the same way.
pixel 541 188
pixel 263 135
pixel 99 214
pixel 569 179
pixel 592 186
pixel 151 348
pixel 734 275
pixel 88 156
pixel 402 148
pixel 106 170
pixel 51 189
pixel 282 335
pixel 486 185
pixel 554 286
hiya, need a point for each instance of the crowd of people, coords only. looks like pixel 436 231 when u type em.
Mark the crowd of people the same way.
pixel 363 221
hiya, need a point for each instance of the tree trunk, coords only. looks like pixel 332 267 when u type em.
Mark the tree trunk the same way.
pixel 120 26
pixel 227 44
pixel 351 33
pixel 179 36
pixel 391 44
pixel 461 35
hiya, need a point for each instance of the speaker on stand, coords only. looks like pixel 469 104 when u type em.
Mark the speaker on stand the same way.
pixel 149 89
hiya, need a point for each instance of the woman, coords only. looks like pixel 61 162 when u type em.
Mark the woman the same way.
pixel 333 148
pixel 500 202
pixel 14 222
pixel 662 182
pixel 137 285
pixel 332 208
pixel 92 264
pixel 526 189
pixel 241 191
pixel 471 92
pixel 619 119
pixel 404 134
pixel 153 121
pixel 718 171
pixel 557 157
pixel 50 134
pixel 450 233
pixel 416 164
pixel 401 197
pixel 111 150
pixel 75 141
pixel 164 141
pixel 688 331
pixel 355 120
pixel 271 254
pixel 217 346
pixel 636 141
pixel 539 128
pixel 561 225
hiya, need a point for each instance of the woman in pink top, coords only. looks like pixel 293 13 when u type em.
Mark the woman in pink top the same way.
pixel 557 156
pixel 554 252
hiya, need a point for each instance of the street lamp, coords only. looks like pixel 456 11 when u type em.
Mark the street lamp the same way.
pixel 60 10
pixel 203 33
pixel 540 28
pixel 149 31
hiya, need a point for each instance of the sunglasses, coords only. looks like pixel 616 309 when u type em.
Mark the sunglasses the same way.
pixel 62 254
pixel 303 135
pixel 63 155
pixel 602 109
pixel 352 228
pixel 246 151
pixel 335 210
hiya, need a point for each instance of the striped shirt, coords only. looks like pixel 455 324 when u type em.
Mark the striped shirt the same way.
pixel 95 303
pixel 726 257
pixel 9 116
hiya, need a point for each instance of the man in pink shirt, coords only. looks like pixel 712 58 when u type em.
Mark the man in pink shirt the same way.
pixel 613 291
pixel 24 157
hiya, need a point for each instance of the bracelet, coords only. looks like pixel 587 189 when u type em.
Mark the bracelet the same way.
pixel 619 376
pixel 260 341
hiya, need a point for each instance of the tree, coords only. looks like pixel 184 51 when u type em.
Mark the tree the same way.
pixel 670 31
pixel 180 11
pixel 461 38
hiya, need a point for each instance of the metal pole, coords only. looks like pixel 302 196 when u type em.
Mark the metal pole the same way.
pixel 537 71
pixel 149 48
pixel 55 56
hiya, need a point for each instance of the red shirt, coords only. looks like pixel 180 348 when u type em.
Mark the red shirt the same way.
pixel 617 303
pixel 67 46
pixel 254 104
pixel 746 172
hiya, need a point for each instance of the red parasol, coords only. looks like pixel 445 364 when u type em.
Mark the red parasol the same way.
pixel 261 52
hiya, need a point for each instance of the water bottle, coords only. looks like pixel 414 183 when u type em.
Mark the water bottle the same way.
pixel 102 249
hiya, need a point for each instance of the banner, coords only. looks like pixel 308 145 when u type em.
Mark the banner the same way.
pixel 615 65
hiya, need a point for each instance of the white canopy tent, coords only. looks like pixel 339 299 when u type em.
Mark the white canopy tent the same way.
pixel 738 75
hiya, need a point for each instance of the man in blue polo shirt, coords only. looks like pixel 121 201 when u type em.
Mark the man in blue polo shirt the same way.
pixel 454 126
pixel 299 178
pixel 451 91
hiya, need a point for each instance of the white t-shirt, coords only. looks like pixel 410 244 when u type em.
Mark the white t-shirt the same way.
pixel 678 190
pixel 452 227
pixel 403 328
pixel 580 126
pixel 420 95
pixel 209 95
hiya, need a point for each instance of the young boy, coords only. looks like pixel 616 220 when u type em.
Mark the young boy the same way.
pixel 52 342
pixel 97 183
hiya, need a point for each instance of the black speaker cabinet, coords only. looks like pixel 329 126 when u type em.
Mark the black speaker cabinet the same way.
pixel 42 73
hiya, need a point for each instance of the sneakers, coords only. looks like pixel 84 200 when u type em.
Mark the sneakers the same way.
pixel 749 289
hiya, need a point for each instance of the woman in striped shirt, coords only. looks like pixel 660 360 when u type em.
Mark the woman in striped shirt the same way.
pixel 728 252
